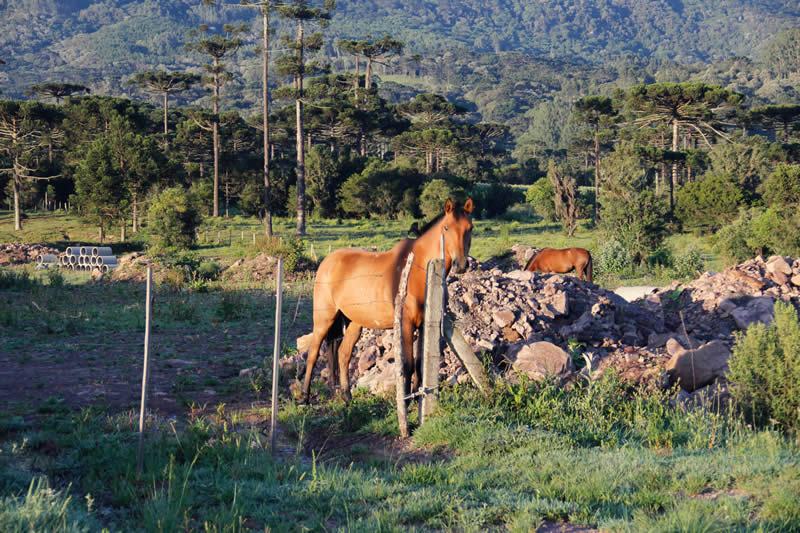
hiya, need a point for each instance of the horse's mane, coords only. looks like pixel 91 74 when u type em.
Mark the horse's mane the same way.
pixel 428 225
pixel 458 211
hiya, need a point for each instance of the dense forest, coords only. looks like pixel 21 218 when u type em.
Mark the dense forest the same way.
pixel 121 109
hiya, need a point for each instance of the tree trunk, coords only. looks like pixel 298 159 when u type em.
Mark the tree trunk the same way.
pixel 17 211
pixel 674 181
pixel 135 212
pixel 216 141
pixel 102 233
pixel 166 128
pixel 122 231
pixel 596 173
pixel 301 161
pixel 265 108
pixel 368 77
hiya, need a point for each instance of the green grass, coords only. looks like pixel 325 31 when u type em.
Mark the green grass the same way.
pixel 486 466
pixel 224 240
pixel 602 455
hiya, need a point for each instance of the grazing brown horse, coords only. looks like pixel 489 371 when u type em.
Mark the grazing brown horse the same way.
pixel 561 261
pixel 360 287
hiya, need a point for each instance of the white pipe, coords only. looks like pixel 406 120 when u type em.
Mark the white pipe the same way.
pixel 106 260
pixel 101 250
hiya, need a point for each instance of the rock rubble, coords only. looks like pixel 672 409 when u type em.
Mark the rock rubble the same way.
pixel 547 324
pixel 17 253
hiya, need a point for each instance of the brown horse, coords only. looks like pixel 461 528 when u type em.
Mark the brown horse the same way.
pixel 360 287
pixel 561 261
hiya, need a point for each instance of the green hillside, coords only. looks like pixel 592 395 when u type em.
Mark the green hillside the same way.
pixel 506 61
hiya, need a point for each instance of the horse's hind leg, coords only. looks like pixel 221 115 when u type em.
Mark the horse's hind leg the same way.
pixel 351 335
pixel 321 327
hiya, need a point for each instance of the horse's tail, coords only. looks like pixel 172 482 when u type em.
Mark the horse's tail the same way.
pixel 334 338
pixel 589 267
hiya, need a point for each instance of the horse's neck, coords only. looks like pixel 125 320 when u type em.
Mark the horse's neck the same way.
pixel 428 246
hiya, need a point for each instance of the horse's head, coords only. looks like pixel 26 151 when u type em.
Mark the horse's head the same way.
pixel 456 227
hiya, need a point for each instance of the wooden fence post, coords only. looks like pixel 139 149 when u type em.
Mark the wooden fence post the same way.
pixel 145 372
pixel 456 341
pixel 432 338
pixel 276 354
pixel 400 379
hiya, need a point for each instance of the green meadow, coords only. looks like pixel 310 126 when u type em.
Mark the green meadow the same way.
pixel 599 454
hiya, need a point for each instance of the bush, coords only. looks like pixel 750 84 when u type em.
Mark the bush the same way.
pixel 173 218
pixel 689 263
pixel 434 195
pixel 612 258
pixel 541 195
pixel 381 190
pixel 759 231
pixel 494 200
pixel 290 250
pixel 709 204
pixel 782 187
pixel 765 370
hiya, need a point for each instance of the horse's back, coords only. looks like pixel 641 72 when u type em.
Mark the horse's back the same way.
pixel 559 260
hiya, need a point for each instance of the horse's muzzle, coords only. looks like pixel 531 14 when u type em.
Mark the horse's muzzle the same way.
pixel 459 265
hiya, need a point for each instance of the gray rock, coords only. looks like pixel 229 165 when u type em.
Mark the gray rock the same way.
pixel 503 317
pixel 758 309
pixel 777 263
pixel 693 369
pixel 559 304
pixel 539 360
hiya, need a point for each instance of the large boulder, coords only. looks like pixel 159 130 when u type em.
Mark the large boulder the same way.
pixel 539 360
pixel 693 369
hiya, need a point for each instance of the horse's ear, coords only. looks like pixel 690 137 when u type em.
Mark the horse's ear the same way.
pixel 468 206
pixel 448 205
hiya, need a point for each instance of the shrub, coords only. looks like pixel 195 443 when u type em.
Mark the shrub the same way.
pixel 732 241
pixel 629 210
pixel 541 195
pixel 208 270
pixel 765 369
pixel 689 263
pixel 758 231
pixel 381 190
pixel 709 204
pixel 782 187
pixel 612 258
pixel 173 218
pixel 290 250
pixel 495 199
pixel 434 194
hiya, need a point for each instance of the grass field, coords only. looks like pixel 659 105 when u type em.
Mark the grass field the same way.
pixel 596 457
pixel 228 239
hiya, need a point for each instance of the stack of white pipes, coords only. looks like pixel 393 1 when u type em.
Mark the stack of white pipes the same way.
pixel 89 258
pixel 46 261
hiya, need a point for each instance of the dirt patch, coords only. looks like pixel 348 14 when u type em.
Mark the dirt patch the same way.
pixel 107 372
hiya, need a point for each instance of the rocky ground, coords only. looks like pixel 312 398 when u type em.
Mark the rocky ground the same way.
pixel 20 253
pixel 541 324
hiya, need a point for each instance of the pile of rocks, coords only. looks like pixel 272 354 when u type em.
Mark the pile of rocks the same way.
pixel 542 324
pixel 17 253
pixel 719 303
pixel 260 268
